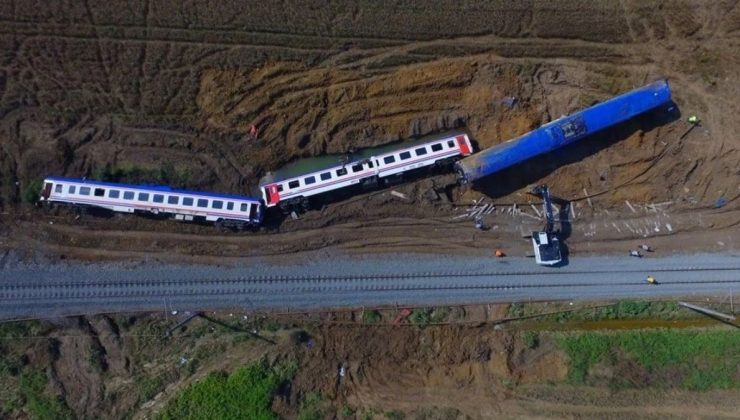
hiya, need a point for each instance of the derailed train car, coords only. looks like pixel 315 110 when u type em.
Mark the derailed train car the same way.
pixel 564 131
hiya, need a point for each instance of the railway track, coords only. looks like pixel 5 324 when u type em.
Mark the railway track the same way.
pixel 48 293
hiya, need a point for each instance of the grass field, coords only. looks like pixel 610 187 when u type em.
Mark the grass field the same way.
pixel 691 359
pixel 246 393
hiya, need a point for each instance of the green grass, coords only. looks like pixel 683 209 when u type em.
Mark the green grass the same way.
pixel 244 394
pixel 40 406
pixel 701 360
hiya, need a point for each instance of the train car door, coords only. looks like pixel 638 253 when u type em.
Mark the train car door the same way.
pixel 47 191
pixel 272 193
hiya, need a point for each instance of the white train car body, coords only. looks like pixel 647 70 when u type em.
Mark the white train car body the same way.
pixel 315 176
pixel 127 198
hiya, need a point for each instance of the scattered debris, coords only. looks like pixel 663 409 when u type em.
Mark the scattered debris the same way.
pixel 588 198
pixel 509 101
pixel 402 314
pixel 399 195
pixel 293 215
pixel 634 253
pixel 535 210
pixel 720 202
pixel 499 253
pixel 479 222
pixel 645 248
pixel 669 227
pixel 630 206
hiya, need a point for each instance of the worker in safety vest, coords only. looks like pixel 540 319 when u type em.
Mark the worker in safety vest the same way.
pixel 693 119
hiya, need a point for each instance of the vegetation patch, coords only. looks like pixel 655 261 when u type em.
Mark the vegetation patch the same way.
pixel 244 394
pixel 624 309
pixel 310 408
pixel 695 360
pixel 370 317
pixel 39 405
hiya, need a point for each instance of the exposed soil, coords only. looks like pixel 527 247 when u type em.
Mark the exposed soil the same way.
pixel 175 90
pixel 124 367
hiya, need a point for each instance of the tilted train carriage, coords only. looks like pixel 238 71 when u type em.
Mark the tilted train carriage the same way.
pixel 229 210
pixel 291 187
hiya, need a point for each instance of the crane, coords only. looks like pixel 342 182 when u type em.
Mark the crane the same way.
pixel 546 243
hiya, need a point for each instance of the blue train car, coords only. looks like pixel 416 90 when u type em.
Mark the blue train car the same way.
pixel 564 131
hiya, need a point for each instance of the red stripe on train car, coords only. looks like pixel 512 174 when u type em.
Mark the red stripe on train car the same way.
pixel 464 148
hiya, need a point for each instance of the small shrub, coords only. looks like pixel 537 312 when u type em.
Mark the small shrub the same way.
pixel 149 387
pixel 395 415
pixel 516 310
pixel 531 339
pixel 32 191
pixel 347 411
pixel 439 315
pixel 370 317
pixel 420 317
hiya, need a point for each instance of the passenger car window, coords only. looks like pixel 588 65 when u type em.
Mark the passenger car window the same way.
pixel 85 190
pixel 436 147
pixel 280 187
pixel 71 189
pixel 230 205
pixel 158 198
pixel 202 202
pixel 114 193
pixel 389 159
pixel 187 201
pixel 99 192
pixel 421 151
pixel 143 196
pixel 217 204
pixel 405 155
pixel 58 188
pixel 450 143
pixel 293 184
pixel 341 172
pixel 309 180
pixel 244 207
pixel 128 195
pixel 357 167
pixel 325 176
pixel 173 199
pixel 369 164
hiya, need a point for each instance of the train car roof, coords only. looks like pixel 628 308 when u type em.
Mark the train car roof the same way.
pixel 306 166
pixel 152 188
